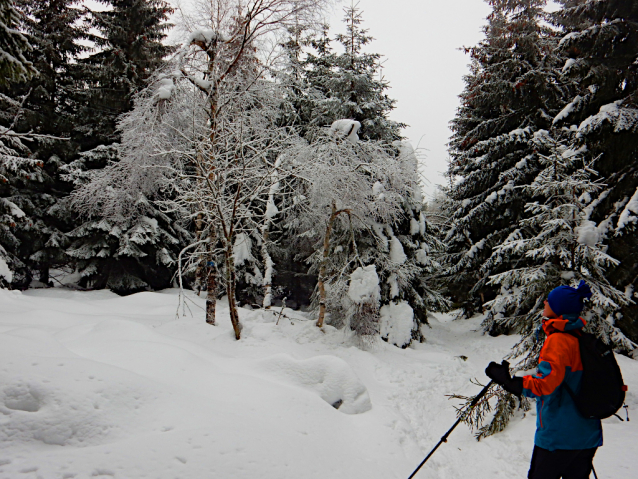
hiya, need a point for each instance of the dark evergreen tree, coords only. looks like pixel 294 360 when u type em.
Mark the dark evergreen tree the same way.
pixel 46 111
pixel 350 85
pixel 289 275
pixel 299 95
pixel 129 49
pixel 511 94
pixel 128 256
pixel 126 243
pixel 14 66
pixel 56 30
pixel 123 253
pixel 601 41
pixel 16 170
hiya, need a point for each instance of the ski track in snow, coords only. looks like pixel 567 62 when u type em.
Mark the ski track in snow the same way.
pixel 93 385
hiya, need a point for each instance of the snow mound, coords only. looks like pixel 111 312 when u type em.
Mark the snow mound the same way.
pixel 87 404
pixel 397 321
pixel 364 284
pixel 206 35
pixel 397 254
pixel 328 376
pixel 165 88
pixel 629 213
pixel 5 271
pixel 241 249
pixel 588 234
pixel 347 129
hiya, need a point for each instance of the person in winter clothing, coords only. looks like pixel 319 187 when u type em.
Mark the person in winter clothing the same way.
pixel 565 441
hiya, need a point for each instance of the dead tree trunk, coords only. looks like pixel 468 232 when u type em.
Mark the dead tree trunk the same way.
pixel 268 265
pixel 324 263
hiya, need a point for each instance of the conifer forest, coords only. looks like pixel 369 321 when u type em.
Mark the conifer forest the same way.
pixel 241 151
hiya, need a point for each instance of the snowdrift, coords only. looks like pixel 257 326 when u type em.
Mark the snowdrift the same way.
pixel 95 385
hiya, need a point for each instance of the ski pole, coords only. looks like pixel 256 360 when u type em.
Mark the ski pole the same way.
pixel 445 436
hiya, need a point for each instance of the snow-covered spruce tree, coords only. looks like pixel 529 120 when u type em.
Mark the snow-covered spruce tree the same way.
pixel 601 41
pixel 123 253
pixel 126 242
pixel 16 169
pixel 129 48
pixel 564 246
pixel 55 31
pixel 558 244
pixel 353 194
pixel 407 256
pixel 14 67
pixel 511 92
pixel 350 85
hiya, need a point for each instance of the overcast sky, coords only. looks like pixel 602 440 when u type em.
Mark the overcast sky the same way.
pixel 420 40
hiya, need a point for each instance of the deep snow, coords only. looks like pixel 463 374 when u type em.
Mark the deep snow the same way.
pixel 93 385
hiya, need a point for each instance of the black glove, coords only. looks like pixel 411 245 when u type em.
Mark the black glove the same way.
pixel 500 374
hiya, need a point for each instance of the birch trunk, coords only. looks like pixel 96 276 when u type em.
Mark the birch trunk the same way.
pixel 324 265
pixel 230 290
pixel 211 284
pixel 199 272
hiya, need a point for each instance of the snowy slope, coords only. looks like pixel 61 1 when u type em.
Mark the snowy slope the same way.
pixel 93 385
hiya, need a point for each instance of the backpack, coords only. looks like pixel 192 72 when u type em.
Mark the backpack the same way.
pixel 602 390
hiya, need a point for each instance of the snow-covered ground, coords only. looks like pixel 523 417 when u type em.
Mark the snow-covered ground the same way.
pixel 93 385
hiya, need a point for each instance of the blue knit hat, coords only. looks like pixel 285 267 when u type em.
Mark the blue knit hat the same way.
pixel 566 300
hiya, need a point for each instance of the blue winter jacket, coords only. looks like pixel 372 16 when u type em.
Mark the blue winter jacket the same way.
pixel 559 425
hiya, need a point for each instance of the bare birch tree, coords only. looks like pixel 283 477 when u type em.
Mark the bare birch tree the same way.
pixel 226 66
pixel 208 128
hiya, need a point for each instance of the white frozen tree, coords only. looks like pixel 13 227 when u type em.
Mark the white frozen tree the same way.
pixel 348 187
pixel 206 133
pixel 224 63
pixel 229 185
